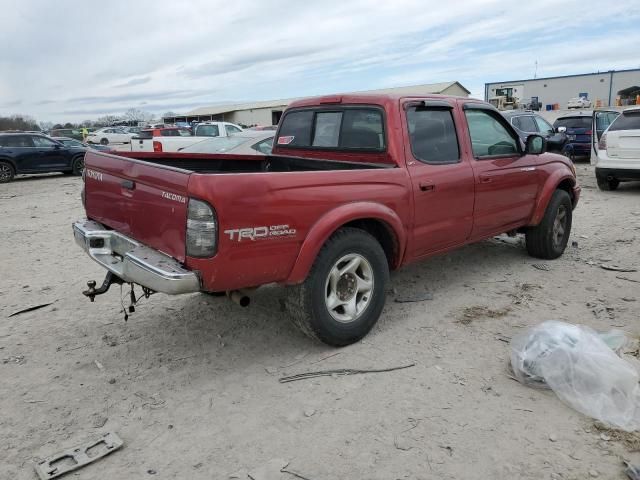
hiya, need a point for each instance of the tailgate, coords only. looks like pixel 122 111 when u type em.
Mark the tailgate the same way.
pixel 624 144
pixel 144 201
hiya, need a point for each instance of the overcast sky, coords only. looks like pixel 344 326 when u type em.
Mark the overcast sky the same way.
pixel 73 60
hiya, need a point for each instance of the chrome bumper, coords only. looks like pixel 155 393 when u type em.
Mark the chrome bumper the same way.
pixel 134 262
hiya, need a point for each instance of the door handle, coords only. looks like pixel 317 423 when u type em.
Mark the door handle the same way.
pixel 426 186
pixel 128 184
pixel 486 179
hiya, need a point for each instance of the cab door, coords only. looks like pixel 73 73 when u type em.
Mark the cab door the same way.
pixel 506 180
pixel 441 176
pixel 600 121
pixel 51 155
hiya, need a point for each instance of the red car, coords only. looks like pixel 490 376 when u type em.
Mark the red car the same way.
pixel 356 186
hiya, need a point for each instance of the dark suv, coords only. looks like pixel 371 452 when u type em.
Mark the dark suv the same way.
pixel 22 152
pixel 527 123
pixel 578 130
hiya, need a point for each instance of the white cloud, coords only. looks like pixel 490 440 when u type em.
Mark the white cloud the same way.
pixel 88 58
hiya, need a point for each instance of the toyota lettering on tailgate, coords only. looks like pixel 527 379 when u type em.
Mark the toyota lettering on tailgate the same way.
pixel 256 233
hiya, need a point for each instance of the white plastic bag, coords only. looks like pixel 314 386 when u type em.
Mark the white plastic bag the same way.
pixel 583 370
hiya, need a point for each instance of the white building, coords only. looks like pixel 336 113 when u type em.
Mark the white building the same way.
pixel 602 88
pixel 269 113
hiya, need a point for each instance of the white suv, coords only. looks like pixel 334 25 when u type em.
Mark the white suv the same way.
pixel 579 102
pixel 615 147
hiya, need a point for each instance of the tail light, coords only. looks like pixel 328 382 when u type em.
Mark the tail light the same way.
pixel 602 144
pixel 202 229
pixel 588 132
pixel 157 146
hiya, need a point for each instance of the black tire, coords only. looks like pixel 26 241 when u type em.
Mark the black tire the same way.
pixel 6 172
pixel 104 141
pixel 307 303
pixel 549 239
pixel 78 165
pixel 607 185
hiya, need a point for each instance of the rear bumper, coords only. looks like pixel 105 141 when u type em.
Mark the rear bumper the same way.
pixel 134 262
pixel 618 173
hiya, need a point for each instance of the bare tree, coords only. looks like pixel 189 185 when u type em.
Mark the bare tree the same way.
pixel 134 115
pixel 106 120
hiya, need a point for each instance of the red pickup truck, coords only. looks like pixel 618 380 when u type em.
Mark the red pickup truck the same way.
pixel 356 186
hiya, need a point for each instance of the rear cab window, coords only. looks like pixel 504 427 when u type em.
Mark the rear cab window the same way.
pixel 341 128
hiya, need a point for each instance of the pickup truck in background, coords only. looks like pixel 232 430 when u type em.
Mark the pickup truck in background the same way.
pixel 200 132
pixel 143 141
pixel 357 185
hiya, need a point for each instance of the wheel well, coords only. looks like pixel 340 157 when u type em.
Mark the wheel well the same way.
pixel 567 186
pixel 384 234
pixel 11 164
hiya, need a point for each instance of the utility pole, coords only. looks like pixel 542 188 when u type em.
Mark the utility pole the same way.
pixel 535 73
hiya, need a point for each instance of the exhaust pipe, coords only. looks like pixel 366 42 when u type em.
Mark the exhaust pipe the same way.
pixel 239 297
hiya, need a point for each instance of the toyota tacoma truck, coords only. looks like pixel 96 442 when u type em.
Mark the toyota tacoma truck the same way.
pixel 356 186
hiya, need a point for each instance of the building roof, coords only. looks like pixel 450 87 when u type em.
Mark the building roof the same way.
pixel 565 76
pixel 412 89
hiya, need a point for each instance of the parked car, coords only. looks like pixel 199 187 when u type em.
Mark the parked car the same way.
pixel 249 142
pixel 264 127
pixel 527 123
pixel 200 131
pixel 579 102
pixel 72 142
pixel 577 128
pixel 143 141
pixel 75 133
pixel 356 185
pixel 108 135
pixel 616 151
pixel 35 153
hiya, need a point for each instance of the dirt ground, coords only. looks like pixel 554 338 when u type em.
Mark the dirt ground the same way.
pixel 191 384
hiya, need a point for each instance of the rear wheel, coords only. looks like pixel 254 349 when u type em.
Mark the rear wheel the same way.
pixel 549 239
pixel 6 172
pixel 607 185
pixel 78 165
pixel 104 141
pixel 344 294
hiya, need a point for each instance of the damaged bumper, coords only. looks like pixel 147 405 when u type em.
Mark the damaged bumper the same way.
pixel 134 262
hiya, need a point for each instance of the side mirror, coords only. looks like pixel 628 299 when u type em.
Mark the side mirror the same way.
pixel 536 145
pixel 57 146
pixel 561 129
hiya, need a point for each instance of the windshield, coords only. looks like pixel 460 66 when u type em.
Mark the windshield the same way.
pixel 573 122
pixel 215 145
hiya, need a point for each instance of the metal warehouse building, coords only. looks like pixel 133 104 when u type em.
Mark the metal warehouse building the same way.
pixel 269 113
pixel 602 88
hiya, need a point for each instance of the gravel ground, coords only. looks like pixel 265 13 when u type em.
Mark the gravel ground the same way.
pixel 191 383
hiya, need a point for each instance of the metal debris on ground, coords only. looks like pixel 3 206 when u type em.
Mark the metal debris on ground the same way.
pixel 17 359
pixel 414 297
pixel 541 266
pixel 269 471
pixel 632 471
pixel 31 309
pixel 617 268
pixel 74 458
pixel 339 372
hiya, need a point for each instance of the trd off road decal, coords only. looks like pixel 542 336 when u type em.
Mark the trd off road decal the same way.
pixel 258 233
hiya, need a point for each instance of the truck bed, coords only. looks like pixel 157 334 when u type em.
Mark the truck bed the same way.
pixel 227 163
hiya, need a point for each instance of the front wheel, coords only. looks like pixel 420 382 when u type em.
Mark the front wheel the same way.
pixel 78 165
pixel 104 141
pixel 549 239
pixel 344 294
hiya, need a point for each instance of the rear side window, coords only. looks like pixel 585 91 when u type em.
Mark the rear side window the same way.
pixel 525 123
pixel 341 129
pixel 207 131
pixel 433 135
pixel 18 141
pixel 626 121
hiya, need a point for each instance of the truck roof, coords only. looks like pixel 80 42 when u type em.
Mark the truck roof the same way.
pixel 370 98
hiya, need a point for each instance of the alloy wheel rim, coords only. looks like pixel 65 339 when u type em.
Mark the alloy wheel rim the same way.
pixel 349 288
pixel 5 172
pixel 560 226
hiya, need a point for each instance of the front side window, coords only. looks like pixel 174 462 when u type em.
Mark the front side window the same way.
pixel 432 134
pixel 340 128
pixel 264 146
pixel 544 127
pixel 42 142
pixel 489 137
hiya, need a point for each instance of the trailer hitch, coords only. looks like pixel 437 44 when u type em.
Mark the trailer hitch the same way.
pixel 109 280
